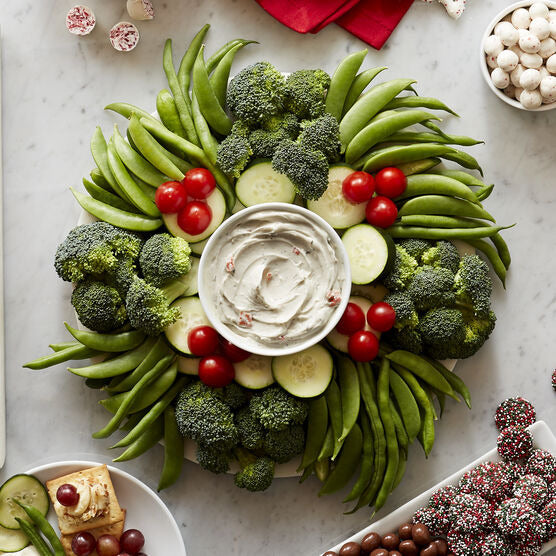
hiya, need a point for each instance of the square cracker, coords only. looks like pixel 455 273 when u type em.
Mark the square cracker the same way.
pixel 69 524
pixel 115 529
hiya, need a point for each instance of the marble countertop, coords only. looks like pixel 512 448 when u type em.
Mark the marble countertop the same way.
pixel 55 86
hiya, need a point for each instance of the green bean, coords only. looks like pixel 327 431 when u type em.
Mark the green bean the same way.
pixel 485 192
pixel 400 472
pixel 119 365
pixel 399 154
pixel 168 113
pixel 33 535
pixel 359 85
pixel 62 345
pixel 215 58
pixel 173 451
pixel 116 217
pixel 208 103
pixel 105 196
pixel 455 381
pixel 419 166
pixel 186 64
pixel 127 110
pixel 366 469
pixel 350 395
pixel 131 396
pixel 179 97
pixel 347 462
pixel 341 82
pixel 466 234
pixel 322 469
pixel 219 79
pixel 503 250
pixel 99 180
pixel 327 448
pixel 407 404
pixel 492 255
pixel 71 353
pixel 334 402
pixel 317 425
pixel 99 150
pixel 381 130
pixel 145 442
pixel 44 526
pixel 401 433
pixel 208 142
pixel 418 102
pixel 434 184
pixel 123 341
pixel 447 206
pixel 423 137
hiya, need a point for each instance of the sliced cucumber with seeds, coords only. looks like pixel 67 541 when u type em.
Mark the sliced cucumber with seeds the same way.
pixel 189 365
pixel 192 315
pixel 260 183
pixel 217 205
pixel 369 251
pixel 305 374
pixel 13 540
pixel 333 206
pixel 255 372
pixel 191 279
pixel 28 490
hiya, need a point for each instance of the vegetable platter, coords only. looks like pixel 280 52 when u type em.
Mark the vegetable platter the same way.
pixel 372 163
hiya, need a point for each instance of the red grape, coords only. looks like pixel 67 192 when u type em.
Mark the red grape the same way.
pixel 83 544
pixel 67 495
pixel 132 541
pixel 108 545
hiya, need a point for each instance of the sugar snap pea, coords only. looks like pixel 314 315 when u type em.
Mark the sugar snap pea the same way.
pixel 62 345
pixel 439 221
pixel 177 160
pixel 105 196
pixel 350 394
pixel 33 535
pixel 466 234
pixel 99 179
pixel 126 110
pixel 427 433
pixel 400 472
pixel 456 382
pixel 503 250
pixel 322 469
pixel 408 405
pixel 366 468
pixel 423 137
pixel 99 150
pixel 307 472
pixel 186 64
pixel 399 154
pixel 173 451
pixel 208 141
pixel 215 58
pixel 434 184
pixel 464 159
pixel 359 85
pixel 327 448
pixel 447 206
pixel 133 419
pixel 317 425
pixel 96 383
pixel 485 192
pixel 168 113
pixel 145 442
pixel 70 353
pixel 341 82
pixel 462 176
pixel 123 341
pixel 419 166
pixel 401 433
pixel 44 526
pixel 418 102
pixel 334 402
pixel 219 79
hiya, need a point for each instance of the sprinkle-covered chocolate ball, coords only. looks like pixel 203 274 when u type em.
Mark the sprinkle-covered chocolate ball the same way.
pixel 435 519
pixel 514 443
pixel 465 544
pixel 469 513
pixel 488 480
pixel 549 515
pixel 514 469
pixel 532 489
pixel 443 497
pixel 517 412
pixel 518 518
pixel 543 464
pixel 554 379
pixel 495 544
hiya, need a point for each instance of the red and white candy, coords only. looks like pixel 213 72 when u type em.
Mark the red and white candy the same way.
pixel 124 36
pixel 140 9
pixel 80 20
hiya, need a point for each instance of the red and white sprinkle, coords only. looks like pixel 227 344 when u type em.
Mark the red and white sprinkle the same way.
pixel 80 20
pixel 124 36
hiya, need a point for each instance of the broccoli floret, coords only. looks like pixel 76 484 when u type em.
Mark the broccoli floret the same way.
pixel 122 275
pixel 477 332
pixel 212 459
pixel 148 307
pixel 93 249
pixel 256 93
pixel 305 92
pixel 322 134
pixel 233 154
pixel 240 128
pixel 98 306
pixel 406 315
pixel 256 473
pixel 283 445
pixel 202 416
pixel 276 409
pixel 443 332
pixel 250 430
pixel 444 255
pixel 415 247
pixel 407 338
pixel 307 170
pixel 164 258
pixel 264 143
pixel 402 271
pixel 432 287
pixel 286 122
pixel 235 396
pixel 473 285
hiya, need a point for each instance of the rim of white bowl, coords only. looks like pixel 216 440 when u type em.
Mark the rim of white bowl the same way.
pixel 484 67
pixel 238 340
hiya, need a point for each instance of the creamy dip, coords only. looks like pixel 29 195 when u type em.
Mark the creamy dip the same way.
pixel 274 278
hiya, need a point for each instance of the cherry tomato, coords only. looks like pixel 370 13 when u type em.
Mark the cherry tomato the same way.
pixel 363 346
pixel 216 371
pixel 194 217
pixel 390 182
pixel 233 353
pixel 202 340
pixel 381 212
pixel 352 320
pixel 199 182
pixel 381 316
pixel 358 187
pixel 170 197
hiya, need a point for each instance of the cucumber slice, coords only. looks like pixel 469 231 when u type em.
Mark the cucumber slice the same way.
pixel 192 315
pixel 369 252
pixel 260 183
pixel 189 365
pixel 333 206
pixel 190 279
pixel 26 489
pixel 12 540
pixel 305 374
pixel 255 372
pixel 217 205
pixel 340 341
pixel 197 248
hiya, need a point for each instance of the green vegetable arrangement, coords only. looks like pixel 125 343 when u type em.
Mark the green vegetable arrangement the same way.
pixel 266 136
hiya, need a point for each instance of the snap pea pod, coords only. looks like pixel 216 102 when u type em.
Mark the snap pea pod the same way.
pixel 149 191
pixel 179 161
pixel 456 382
pixel 424 137
pixel 322 469
pixel 307 472
pixel 503 250
pixel 116 217
pixel 145 442
pixel 208 141
pixel 439 221
pixel 99 179
pixel 210 107
pixel 219 79
pixel 317 425
pixel 434 184
pixel 123 341
pixel 33 535
pixel 119 365
pixel 408 405
pixel 367 455
pixel 105 196
pixel 350 395
pixel 99 150
pixel 399 154
pixel 126 110
pixel 173 451
pixel 334 402
pixel 464 159
pixel 359 85
pixel 401 433
pixel 464 177
pixel 367 106
pixel 62 345
pixel 427 432
pixel 179 97
pixel 133 419
pixel 44 527
pixel 492 255
pixel 485 192
pixel 466 234
pixel 341 82
pixel 441 401
pixel 71 353
pixel 382 130
pixel 132 395
pixel 215 58
pixel 400 471
pixel 186 64
pixel 168 113
pixel 447 206
pixel 419 166
pixel 418 102
pixel 327 448
pixel 347 462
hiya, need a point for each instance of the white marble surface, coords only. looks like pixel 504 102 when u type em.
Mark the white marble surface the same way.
pixel 55 86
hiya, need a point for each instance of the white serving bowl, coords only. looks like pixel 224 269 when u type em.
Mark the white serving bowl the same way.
pixel 207 282
pixel 484 67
